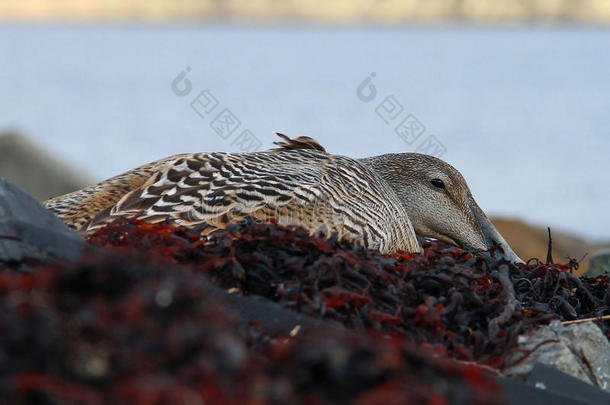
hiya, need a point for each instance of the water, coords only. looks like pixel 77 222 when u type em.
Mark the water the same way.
pixel 522 111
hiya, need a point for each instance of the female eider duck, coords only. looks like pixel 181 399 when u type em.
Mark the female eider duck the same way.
pixel 381 202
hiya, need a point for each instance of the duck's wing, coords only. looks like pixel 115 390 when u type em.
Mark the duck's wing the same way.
pixel 320 192
pixel 77 209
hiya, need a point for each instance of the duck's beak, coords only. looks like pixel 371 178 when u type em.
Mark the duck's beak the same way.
pixel 493 238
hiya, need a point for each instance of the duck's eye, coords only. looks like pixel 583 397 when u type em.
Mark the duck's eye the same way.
pixel 437 183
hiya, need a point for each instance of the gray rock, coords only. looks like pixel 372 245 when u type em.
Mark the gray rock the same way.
pixel 34 170
pixel 580 350
pixel 599 263
pixel 28 231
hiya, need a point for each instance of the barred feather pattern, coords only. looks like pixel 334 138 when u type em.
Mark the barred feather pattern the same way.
pixel 321 192
pixel 79 208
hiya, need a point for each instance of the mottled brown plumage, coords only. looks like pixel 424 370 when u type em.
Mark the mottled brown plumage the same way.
pixel 323 193
pixel 79 208
pixel 372 201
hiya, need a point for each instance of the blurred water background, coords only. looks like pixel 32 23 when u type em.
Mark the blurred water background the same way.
pixel 522 110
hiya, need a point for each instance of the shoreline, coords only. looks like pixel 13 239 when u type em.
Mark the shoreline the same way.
pixel 342 11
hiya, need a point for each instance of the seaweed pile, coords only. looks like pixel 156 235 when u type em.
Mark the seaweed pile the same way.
pixel 470 307
pixel 115 329
pixel 147 320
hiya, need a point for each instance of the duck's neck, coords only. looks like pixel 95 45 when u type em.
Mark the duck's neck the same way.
pixel 394 168
pixel 377 163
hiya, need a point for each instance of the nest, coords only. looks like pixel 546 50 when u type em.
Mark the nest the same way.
pixel 145 321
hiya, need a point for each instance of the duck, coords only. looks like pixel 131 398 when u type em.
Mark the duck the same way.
pixel 381 202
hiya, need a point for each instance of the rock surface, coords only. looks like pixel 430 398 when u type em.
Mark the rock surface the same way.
pixel 580 350
pixel 599 263
pixel 28 232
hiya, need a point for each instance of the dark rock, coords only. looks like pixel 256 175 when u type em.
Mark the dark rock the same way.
pixel 274 318
pixel 549 386
pixel 28 232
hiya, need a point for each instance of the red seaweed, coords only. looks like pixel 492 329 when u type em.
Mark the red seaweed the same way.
pixel 138 323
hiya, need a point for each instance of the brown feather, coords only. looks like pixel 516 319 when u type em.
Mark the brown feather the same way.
pixel 300 142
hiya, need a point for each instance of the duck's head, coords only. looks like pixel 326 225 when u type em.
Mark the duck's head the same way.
pixel 438 202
